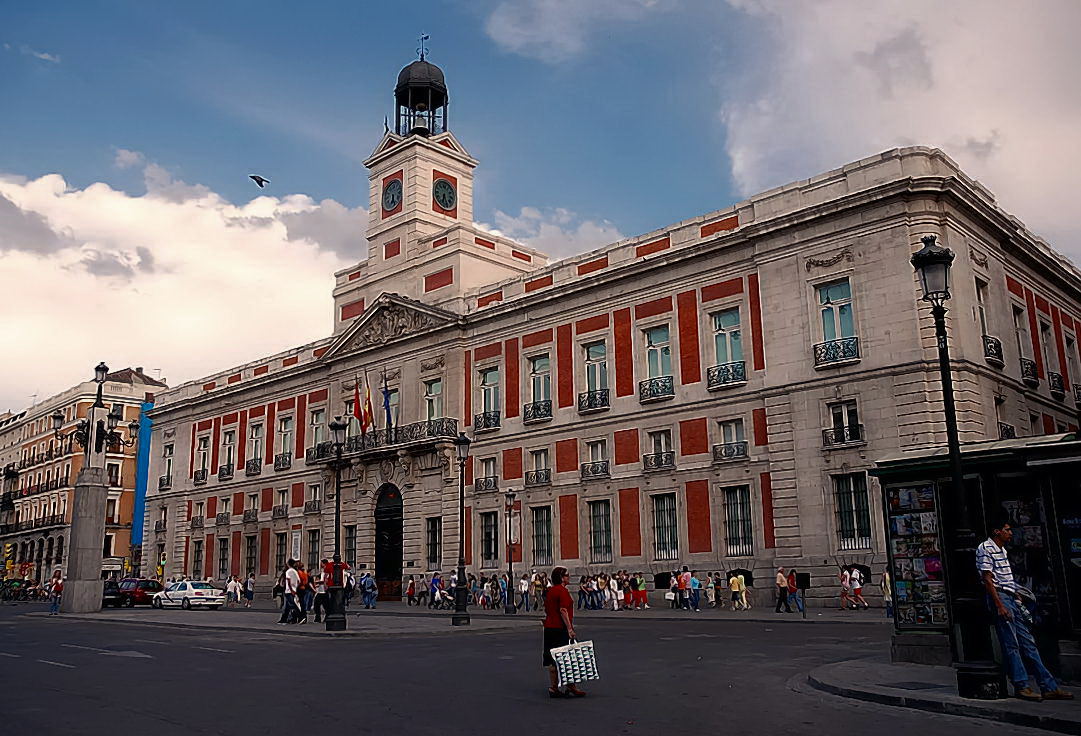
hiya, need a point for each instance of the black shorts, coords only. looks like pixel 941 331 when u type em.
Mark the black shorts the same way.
pixel 554 638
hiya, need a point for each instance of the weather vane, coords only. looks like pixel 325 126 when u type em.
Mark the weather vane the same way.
pixel 422 50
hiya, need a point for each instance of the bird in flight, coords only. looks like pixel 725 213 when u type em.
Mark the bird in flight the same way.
pixel 259 180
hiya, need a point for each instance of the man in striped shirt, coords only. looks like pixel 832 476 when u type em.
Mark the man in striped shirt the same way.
pixel 1011 619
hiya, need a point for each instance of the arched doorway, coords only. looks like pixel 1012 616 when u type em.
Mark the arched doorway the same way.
pixel 388 543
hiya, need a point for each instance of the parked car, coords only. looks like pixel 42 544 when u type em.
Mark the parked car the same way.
pixel 136 592
pixel 110 594
pixel 189 594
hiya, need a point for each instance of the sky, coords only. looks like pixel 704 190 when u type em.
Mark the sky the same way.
pixel 130 233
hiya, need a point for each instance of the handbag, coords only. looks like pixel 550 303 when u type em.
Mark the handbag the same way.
pixel 576 662
pixel 669 596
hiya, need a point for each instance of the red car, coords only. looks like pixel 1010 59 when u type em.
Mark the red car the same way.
pixel 135 592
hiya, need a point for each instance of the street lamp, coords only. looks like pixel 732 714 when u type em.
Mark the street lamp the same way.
pixel 93 433
pixel 335 619
pixel 461 591
pixel 970 645
pixel 508 606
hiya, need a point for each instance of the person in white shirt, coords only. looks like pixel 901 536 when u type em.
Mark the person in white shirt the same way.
pixel 320 583
pixel 290 582
pixel 523 591
pixel 232 592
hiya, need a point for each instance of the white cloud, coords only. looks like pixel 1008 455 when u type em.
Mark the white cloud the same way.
pixel 177 278
pixel 126 159
pixel 41 55
pixel 557 231
pixel 991 83
pixel 557 30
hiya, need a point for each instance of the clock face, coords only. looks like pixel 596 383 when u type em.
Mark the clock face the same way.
pixel 392 194
pixel 444 194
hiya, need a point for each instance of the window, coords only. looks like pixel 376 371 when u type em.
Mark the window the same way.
pixel 658 352
pixel 844 423
pixel 738 530
pixel 203 452
pixel 539 459
pixel 283 497
pixel 279 551
pixel 1020 331
pixel 317 420
pixel 1045 342
pixel 542 535
pixel 598 450
pixel 540 378
pixel 835 309
pixel 197 558
pixel 489 389
pixel 253 502
pixel 433 399
pixel 351 545
pixel 489 536
pixel 434 541
pixel 223 557
pixel 315 491
pixel 313 549
pixel 981 305
pixel 110 510
pixel 596 366
pixel 113 469
pixel 223 505
pixel 255 441
pixel 228 447
pixel 1034 427
pixel 727 341
pixel 853 514
pixel 198 509
pixel 665 529
pixel 660 441
pixel 1071 358
pixel 163 513
pixel 487 467
pixel 393 401
pixel 600 531
pixel 285 434
pixel 731 430
pixel 249 553
pixel 167 460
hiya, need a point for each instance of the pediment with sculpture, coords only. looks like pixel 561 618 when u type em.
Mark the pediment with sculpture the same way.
pixel 390 318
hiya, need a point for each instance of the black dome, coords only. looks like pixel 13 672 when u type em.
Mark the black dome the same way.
pixel 426 83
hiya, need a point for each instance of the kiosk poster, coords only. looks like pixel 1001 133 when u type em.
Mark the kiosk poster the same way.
pixel 915 550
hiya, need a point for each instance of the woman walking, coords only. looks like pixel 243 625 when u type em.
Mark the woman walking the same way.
pixel 558 630
pixel 56 592
pixel 411 592
pixel 249 590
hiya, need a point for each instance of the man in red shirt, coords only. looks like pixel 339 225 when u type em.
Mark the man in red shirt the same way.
pixel 558 629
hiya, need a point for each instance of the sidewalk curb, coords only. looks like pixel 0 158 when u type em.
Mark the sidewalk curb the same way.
pixel 1047 723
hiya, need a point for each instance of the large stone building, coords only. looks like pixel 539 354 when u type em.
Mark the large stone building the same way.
pixel 711 393
pixel 40 472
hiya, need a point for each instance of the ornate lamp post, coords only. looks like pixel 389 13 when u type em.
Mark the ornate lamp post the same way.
pixel 509 606
pixel 461 590
pixel 969 633
pixel 335 620
pixel 98 431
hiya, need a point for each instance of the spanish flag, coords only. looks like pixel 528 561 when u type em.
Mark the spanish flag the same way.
pixel 357 411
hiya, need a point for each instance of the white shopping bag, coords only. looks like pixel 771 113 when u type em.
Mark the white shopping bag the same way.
pixel 575 662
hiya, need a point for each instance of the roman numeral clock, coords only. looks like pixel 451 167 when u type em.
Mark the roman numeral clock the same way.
pixel 444 194
pixel 392 194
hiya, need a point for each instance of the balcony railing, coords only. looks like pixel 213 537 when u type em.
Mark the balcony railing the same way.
pixel 595 400
pixel 540 477
pixel 1077 393
pixel 253 466
pixel 280 512
pixel 283 461
pixel 992 350
pixel 1029 374
pixel 659 460
pixel 22 526
pixel 486 483
pixel 729 451
pixel 251 515
pixel 1006 431
pixel 842 435
pixel 196 522
pixel 46 485
pixel 655 389
pixel 595 469
pixel 160 526
pixel 223 518
pixel 485 421
pixel 225 472
pixel 726 374
pixel 833 352
pixel 165 482
pixel 382 440
pixel 1057 384
pixel 312 506
pixel 65 447
pixel 850 540
pixel 538 411
pixel 200 476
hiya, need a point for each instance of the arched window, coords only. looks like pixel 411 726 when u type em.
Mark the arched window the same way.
pixel 59 557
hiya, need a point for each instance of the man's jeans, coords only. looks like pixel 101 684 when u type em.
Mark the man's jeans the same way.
pixel 369 598
pixel 797 599
pixel 290 609
pixel 54 604
pixel 1017 645
pixel 524 602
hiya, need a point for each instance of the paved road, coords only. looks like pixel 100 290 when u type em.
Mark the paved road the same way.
pixel 69 677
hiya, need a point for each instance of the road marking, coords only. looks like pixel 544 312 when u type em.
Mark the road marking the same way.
pixel 152 641
pixel 57 664
pixel 8 654
pixel 89 649
pixel 212 649
pixel 110 652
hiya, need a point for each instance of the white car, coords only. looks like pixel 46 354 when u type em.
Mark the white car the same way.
pixel 188 595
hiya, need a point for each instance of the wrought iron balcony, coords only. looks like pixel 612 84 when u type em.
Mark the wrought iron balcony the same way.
pixel 729 451
pixel 165 482
pixel 312 506
pixel 1077 392
pixel 196 522
pixel 485 421
pixel 1006 431
pixel 486 483
pixel 200 476
pixel 388 440
pixel 539 477
pixel 992 350
pixel 596 400
pixel 280 511
pixel 659 460
pixel 253 466
pixel 283 461
pixel 223 518
pixel 834 352
pixel 1029 374
pixel 538 411
pixel 656 389
pixel 726 374
pixel 595 469
pixel 160 526
pixel 846 435
pixel 225 472
pixel 1057 384
pixel 251 515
